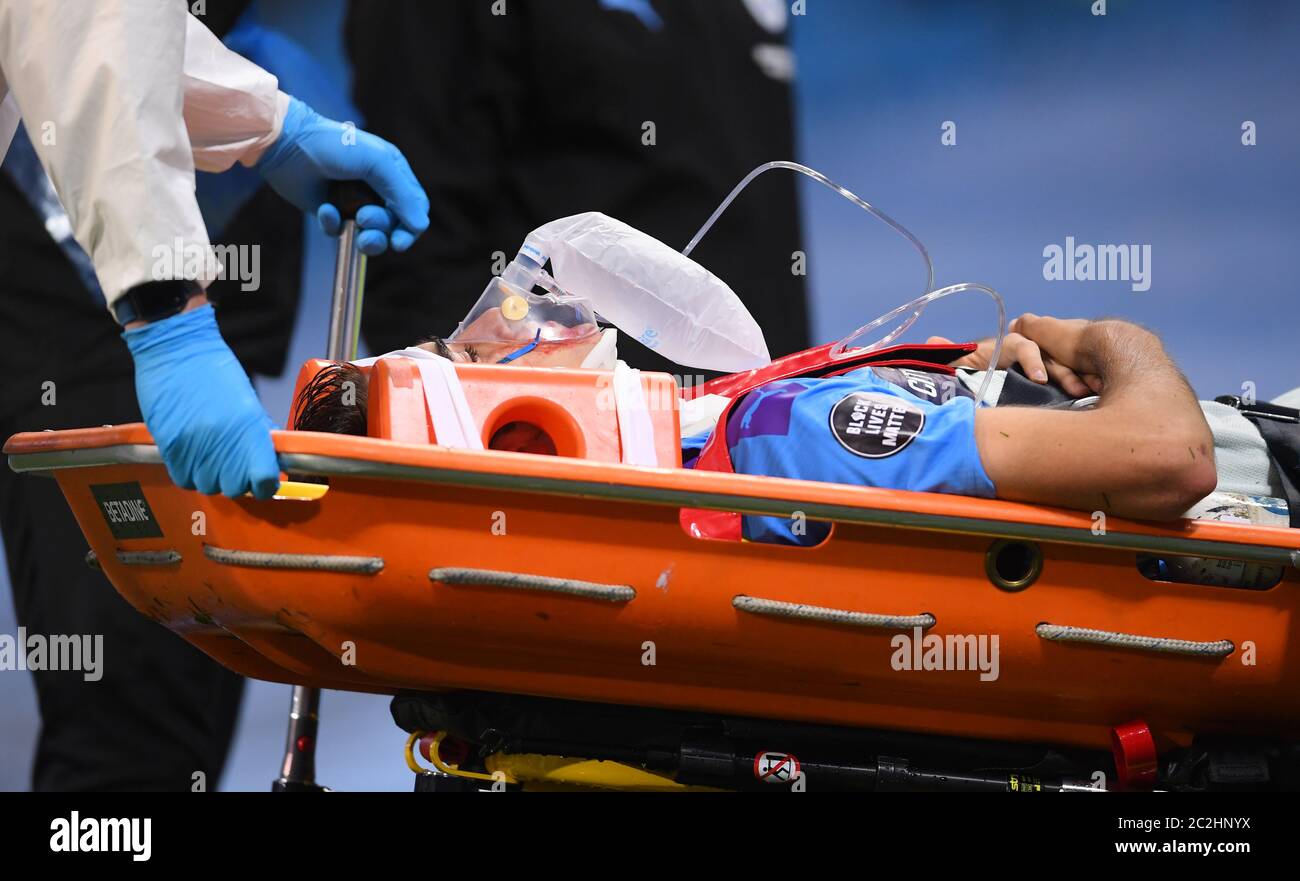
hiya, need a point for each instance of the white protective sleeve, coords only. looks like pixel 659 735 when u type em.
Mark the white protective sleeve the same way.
pixel 9 118
pixel 233 108
pixel 107 90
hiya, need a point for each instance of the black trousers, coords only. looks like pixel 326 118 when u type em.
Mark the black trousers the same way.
pixel 162 710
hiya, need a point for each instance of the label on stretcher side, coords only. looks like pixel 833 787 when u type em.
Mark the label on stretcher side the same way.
pixel 775 767
pixel 125 510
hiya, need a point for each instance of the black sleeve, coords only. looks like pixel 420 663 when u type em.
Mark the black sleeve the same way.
pixel 510 121
pixel 430 78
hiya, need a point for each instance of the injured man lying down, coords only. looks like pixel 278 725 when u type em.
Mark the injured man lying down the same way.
pixel 1090 415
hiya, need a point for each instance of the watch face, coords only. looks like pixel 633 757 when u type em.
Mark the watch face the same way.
pixel 154 301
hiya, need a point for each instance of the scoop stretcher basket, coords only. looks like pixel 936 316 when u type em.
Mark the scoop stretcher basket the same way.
pixel 427 568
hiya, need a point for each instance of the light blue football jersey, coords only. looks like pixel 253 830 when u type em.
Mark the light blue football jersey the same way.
pixel 877 426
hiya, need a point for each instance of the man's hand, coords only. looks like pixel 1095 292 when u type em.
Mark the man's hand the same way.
pixel 1071 364
pixel 1044 347
pixel 1145 451
pixel 200 407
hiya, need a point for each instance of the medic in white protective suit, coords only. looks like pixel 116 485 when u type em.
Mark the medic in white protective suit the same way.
pixel 123 100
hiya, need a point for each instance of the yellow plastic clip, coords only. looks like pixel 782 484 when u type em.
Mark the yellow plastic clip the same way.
pixel 450 770
pixel 303 492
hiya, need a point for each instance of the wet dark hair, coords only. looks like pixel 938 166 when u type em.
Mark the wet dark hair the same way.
pixel 324 404
pixel 328 403
pixel 336 401
pixel 333 401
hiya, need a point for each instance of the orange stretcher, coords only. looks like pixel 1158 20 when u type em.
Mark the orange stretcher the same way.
pixel 418 567
pixel 576 598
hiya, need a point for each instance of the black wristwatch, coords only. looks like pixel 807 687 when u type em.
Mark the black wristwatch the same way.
pixel 154 300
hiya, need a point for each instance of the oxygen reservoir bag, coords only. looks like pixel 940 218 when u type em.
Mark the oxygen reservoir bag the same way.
pixel 661 298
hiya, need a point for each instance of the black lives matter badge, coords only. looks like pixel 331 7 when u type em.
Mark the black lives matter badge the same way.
pixel 874 425
pixel 125 510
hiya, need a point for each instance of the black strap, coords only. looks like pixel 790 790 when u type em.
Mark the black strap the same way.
pixel 1019 390
pixel 1262 409
pixel 154 300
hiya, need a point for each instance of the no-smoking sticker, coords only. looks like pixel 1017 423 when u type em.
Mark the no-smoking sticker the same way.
pixel 774 767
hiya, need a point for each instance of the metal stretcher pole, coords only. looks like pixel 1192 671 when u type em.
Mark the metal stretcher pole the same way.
pixel 349 287
pixel 298 770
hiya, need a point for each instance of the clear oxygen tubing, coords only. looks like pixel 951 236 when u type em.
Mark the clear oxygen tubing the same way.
pixel 916 307
pixel 825 181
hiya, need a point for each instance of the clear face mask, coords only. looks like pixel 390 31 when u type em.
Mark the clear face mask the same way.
pixel 661 297
pixel 506 314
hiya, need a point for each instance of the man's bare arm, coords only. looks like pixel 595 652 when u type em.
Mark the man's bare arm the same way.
pixel 1144 452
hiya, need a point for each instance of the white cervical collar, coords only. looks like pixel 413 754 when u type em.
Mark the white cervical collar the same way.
pixel 605 353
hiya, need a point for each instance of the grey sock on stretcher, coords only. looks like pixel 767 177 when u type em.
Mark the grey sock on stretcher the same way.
pixel 1240 454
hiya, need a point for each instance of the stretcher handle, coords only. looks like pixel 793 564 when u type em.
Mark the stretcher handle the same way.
pixel 298 769
pixel 349 195
pixel 349 270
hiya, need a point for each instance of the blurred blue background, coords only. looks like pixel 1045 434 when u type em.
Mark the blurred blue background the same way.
pixel 1122 129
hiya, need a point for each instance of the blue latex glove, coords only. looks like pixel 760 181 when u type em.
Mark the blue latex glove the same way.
pixel 200 407
pixel 312 151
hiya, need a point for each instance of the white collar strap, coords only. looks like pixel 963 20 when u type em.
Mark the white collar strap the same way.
pixel 453 421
